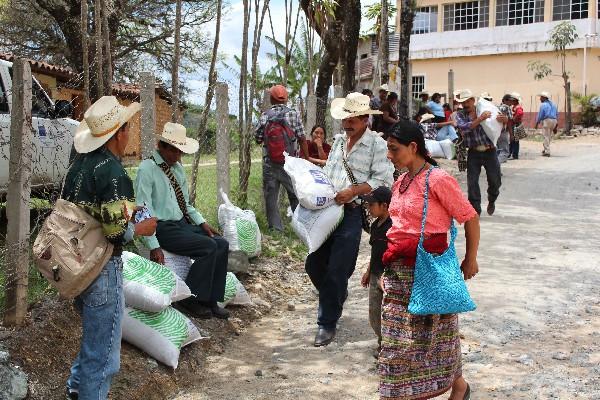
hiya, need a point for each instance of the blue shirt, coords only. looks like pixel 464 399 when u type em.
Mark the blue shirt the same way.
pixel 436 108
pixel 547 111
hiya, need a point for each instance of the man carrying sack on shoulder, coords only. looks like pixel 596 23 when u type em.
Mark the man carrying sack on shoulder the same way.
pixel 357 164
pixel 98 183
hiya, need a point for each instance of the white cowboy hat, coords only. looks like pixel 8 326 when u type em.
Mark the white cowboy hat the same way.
pixel 175 135
pixel 384 87
pixel 544 94
pixel 101 121
pixel 353 105
pixel 463 95
pixel 516 95
pixel 424 92
pixel 427 117
pixel 486 96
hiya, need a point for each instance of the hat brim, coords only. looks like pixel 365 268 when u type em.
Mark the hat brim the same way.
pixel 463 100
pixel 337 110
pixel 85 142
pixel 190 147
pixel 427 117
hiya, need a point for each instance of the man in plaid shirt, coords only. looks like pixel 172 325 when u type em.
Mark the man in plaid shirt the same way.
pixel 273 173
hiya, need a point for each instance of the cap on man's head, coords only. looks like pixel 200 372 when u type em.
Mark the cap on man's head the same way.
pixel 380 195
pixel 279 93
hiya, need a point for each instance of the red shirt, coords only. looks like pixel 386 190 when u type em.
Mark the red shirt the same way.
pixel 313 150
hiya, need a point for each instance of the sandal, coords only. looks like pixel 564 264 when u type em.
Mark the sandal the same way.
pixel 467 395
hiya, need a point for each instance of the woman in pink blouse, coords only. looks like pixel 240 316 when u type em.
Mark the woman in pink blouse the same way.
pixel 420 355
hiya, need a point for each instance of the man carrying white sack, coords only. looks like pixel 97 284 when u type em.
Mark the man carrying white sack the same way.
pixel 364 154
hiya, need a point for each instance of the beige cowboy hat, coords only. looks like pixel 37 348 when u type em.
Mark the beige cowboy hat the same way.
pixel 384 87
pixel 175 135
pixel 516 96
pixel 353 105
pixel 101 121
pixel 544 94
pixel 463 95
pixel 486 96
pixel 424 93
pixel 427 117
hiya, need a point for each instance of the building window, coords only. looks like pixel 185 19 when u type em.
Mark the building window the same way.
pixel 418 85
pixel 569 9
pixel 469 15
pixel 425 20
pixel 519 12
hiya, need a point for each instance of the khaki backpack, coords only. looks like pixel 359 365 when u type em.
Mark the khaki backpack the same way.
pixel 71 249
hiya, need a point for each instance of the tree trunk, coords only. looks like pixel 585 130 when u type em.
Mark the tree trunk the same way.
pixel 352 15
pixel 384 44
pixel 212 80
pixel 85 55
pixel 568 116
pixel 175 69
pixel 99 58
pixel 407 16
pixel 108 75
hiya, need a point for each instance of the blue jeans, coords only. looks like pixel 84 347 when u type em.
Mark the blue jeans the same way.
pixel 101 307
pixel 330 267
pixel 446 132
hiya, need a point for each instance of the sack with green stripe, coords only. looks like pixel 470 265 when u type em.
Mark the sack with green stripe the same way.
pixel 235 292
pixel 159 334
pixel 239 227
pixel 149 286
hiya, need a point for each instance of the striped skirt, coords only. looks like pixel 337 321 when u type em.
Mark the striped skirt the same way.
pixel 420 355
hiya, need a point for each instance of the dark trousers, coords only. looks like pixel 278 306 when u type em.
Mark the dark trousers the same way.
pixel 330 267
pixel 489 161
pixel 273 177
pixel 206 278
pixel 514 149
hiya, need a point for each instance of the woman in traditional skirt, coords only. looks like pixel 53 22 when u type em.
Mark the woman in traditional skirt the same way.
pixel 420 355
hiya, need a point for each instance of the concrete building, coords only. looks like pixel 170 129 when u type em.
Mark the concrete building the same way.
pixel 488 45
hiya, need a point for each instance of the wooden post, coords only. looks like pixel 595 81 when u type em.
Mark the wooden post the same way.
pixel 266 103
pixel 336 123
pixel 450 98
pixel 99 57
pixel 311 112
pixel 409 83
pixel 148 118
pixel 19 192
pixel 223 140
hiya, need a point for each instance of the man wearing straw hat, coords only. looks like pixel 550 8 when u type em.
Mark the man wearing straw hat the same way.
pixel 548 117
pixel 357 164
pixel 98 183
pixel 161 185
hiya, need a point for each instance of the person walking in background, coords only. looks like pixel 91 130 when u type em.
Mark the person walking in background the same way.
pixel 389 115
pixel 378 200
pixel 503 143
pixel 420 354
pixel 376 102
pixel 98 183
pixel 279 130
pixel 436 108
pixel 517 124
pixel 481 153
pixel 357 164
pixel 318 148
pixel 548 117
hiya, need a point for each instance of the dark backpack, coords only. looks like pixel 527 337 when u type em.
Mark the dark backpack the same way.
pixel 279 137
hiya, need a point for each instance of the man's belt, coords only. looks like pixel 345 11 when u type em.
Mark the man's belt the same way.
pixel 482 148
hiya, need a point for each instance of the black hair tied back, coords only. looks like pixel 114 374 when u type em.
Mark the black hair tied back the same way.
pixel 407 132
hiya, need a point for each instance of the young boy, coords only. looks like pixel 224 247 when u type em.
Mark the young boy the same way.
pixel 379 200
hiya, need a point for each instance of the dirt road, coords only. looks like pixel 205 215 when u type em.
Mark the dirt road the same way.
pixel 534 335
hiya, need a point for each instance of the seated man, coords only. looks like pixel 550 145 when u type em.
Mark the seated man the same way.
pixel 162 186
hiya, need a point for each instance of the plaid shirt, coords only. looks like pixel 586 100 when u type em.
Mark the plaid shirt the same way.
pixel 367 160
pixel 291 117
pixel 473 137
pixel 506 110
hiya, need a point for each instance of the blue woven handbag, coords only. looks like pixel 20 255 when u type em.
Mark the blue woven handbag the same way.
pixel 438 287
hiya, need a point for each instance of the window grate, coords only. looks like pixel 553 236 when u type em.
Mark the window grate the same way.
pixel 569 9
pixel 425 20
pixel 418 85
pixel 468 15
pixel 519 12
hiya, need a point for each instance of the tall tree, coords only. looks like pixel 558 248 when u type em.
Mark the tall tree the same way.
pixel 407 17
pixel 107 61
pixel 99 57
pixel 561 37
pixel 175 68
pixel 212 81
pixel 384 44
pixel 86 59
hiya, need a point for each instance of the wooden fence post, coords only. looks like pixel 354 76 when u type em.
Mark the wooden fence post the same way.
pixel 223 140
pixel 148 118
pixel 19 193
pixel 450 98
pixel 311 112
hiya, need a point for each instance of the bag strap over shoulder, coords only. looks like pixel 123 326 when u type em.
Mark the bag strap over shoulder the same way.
pixel 426 207
pixel 176 187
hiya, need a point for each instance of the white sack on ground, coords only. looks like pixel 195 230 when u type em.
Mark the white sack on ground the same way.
pixel 313 188
pixel 179 264
pixel 434 148
pixel 235 292
pixel 448 148
pixel 160 335
pixel 150 286
pixel 491 126
pixel 314 227
pixel 239 227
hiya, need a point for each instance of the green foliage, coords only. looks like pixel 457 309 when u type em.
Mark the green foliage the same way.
pixel 373 13
pixel 588 113
pixel 562 36
pixel 540 69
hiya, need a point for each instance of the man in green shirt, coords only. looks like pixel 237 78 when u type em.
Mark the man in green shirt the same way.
pixel 161 185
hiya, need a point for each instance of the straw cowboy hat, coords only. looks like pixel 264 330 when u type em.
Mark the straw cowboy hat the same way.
pixel 463 95
pixel 353 105
pixel 486 96
pixel 516 96
pixel 101 121
pixel 175 135
pixel 427 117
pixel 424 93
pixel 544 94
pixel 384 87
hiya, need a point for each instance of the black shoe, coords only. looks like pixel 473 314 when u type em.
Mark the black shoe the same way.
pixel 72 395
pixel 219 312
pixel 193 308
pixel 491 208
pixel 324 337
